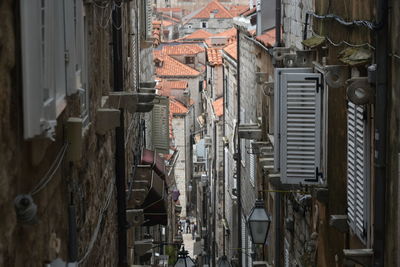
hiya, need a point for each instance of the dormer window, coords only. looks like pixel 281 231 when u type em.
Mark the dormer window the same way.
pixel 204 24
pixel 158 63
pixel 189 60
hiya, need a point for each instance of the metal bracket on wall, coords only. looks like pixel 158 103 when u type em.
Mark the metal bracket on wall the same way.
pixel 125 100
pixel 359 256
pixel 339 222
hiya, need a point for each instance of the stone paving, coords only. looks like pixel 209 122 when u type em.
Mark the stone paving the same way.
pixel 188 241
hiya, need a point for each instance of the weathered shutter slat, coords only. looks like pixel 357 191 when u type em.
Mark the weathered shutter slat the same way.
pixel 300 128
pixel 357 169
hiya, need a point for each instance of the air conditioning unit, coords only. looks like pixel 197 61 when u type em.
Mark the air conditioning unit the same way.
pixel 135 216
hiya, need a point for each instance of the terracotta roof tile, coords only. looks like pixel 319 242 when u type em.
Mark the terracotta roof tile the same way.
pixel 229 34
pixel 175 107
pixel 219 10
pixel 166 17
pixel 199 34
pixel 231 50
pixel 165 86
pixel 168 9
pixel 214 56
pixel 171 67
pixel 249 12
pixel 267 38
pixel 183 49
pixel 218 106
pixel 238 10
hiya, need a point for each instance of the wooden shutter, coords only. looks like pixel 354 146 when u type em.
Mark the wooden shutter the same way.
pixel 300 128
pixel 160 125
pixel 277 108
pixel 357 169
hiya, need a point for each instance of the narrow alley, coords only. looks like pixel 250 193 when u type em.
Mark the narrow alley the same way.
pixel 207 133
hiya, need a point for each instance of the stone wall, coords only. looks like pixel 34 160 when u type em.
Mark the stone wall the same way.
pixel 294 14
pixel 84 183
pixel 213 26
pixel 178 125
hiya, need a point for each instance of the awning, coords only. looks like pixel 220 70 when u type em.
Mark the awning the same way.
pixel 155 205
pixel 151 158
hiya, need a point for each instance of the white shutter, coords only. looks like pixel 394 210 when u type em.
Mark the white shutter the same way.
pixel 300 127
pixel 39 59
pixel 357 169
pixel 277 108
pixel 160 125
pixel 252 164
pixel 149 19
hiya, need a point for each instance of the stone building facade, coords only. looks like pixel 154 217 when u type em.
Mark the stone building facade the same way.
pixel 67 177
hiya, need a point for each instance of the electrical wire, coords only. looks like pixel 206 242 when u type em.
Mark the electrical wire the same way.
pixel 93 239
pixel 51 172
pixel 341 43
pixel 369 24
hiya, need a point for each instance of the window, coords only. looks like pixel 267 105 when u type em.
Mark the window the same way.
pixel 358 173
pixel 189 60
pixel 298 130
pixel 204 24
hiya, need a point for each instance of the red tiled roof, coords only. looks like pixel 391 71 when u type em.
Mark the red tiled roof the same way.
pixel 175 107
pixel 172 67
pixel 179 84
pixel 168 9
pixel 218 106
pixel 238 10
pixel 199 34
pixel 167 23
pixel 214 56
pixel 229 34
pixel 231 50
pixel 219 10
pixel 251 11
pixel 267 38
pixel 170 18
pixel 184 49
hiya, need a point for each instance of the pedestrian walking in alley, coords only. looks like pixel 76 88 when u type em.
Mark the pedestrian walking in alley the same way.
pixel 188 230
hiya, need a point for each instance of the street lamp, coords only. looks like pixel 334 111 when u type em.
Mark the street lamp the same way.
pixel 259 222
pixel 183 259
pixel 223 262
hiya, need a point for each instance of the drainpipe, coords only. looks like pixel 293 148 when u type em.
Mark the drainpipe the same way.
pixel 380 132
pixel 278 24
pixel 238 156
pixel 214 192
pixel 277 202
pixel 119 137
pixel 223 157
